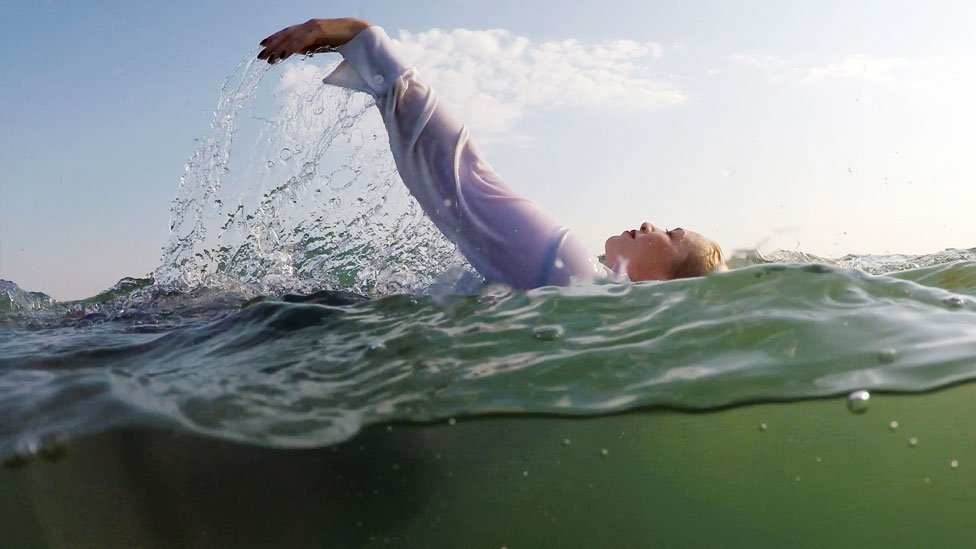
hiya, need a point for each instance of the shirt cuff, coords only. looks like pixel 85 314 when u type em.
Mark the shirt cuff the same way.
pixel 371 64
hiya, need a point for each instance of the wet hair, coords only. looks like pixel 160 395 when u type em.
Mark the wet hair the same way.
pixel 700 264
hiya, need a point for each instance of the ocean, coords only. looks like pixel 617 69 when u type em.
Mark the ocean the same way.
pixel 312 365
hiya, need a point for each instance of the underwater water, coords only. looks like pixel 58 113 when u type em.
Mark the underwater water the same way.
pixel 250 394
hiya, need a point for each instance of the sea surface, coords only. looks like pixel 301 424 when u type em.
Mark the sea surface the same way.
pixel 313 365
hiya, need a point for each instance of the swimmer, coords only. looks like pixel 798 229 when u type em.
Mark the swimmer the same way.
pixel 506 237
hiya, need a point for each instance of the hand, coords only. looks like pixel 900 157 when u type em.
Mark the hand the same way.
pixel 310 37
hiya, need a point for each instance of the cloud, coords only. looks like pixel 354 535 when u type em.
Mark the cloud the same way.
pixel 762 62
pixel 900 71
pixel 774 67
pixel 493 78
pixel 865 67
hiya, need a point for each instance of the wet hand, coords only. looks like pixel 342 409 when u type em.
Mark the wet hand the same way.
pixel 312 36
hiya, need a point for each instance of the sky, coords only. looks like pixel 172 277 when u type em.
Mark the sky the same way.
pixel 831 127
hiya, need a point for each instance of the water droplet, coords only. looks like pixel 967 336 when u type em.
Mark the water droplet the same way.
pixel 376 345
pixel 567 442
pixel 448 202
pixel 913 442
pixel 559 263
pixel 857 402
pixel 548 333
pixel 525 473
pixel 763 427
pixel 893 425
pixel 953 302
pixel 451 421
pixel 926 480
pixel 887 356
pixel 954 463
pixel 319 110
pixel 285 154
pixel 797 478
pixel 270 163
pixel 604 452
pixel 819 459
pixel 396 466
pixel 389 428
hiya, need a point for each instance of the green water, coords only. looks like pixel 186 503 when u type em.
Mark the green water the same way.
pixel 816 475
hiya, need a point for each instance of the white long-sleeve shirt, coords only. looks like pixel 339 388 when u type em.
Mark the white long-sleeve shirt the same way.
pixel 505 236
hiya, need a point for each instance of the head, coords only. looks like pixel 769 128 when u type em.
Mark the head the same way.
pixel 650 253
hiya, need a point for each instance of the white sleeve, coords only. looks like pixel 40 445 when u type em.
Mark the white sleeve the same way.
pixel 505 236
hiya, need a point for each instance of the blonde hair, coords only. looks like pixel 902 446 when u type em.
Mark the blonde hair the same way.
pixel 701 264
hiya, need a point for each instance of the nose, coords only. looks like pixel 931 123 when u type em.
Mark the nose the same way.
pixel 648 228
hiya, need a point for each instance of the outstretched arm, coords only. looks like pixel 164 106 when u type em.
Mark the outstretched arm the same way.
pixel 505 236
pixel 312 36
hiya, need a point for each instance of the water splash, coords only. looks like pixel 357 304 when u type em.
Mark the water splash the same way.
pixel 304 197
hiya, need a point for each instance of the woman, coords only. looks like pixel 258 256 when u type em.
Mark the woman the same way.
pixel 505 236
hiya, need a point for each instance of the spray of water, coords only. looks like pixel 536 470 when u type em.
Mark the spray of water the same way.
pixel 304 197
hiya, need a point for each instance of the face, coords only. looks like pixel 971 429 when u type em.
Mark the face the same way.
pixel 651 253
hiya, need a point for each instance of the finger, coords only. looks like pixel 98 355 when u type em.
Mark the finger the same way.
pixel 271 43
pixel 270 39
pixel 272 50
pixel 289 48
pixel 276 35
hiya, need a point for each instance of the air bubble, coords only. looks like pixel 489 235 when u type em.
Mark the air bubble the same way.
pixel 548 333
pixel 525 473
pixel 954 463
pixel 857 402
pixel 893 425
pixel 567 442
pixel 270 163
pixel 285 154
pixel 452 421
pixel 953 302
pixel 913 442
pixel 763 427
pixel 604 452
pixel 559 263
pixel 887 356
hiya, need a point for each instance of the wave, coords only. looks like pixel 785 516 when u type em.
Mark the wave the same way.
pixel 304 372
